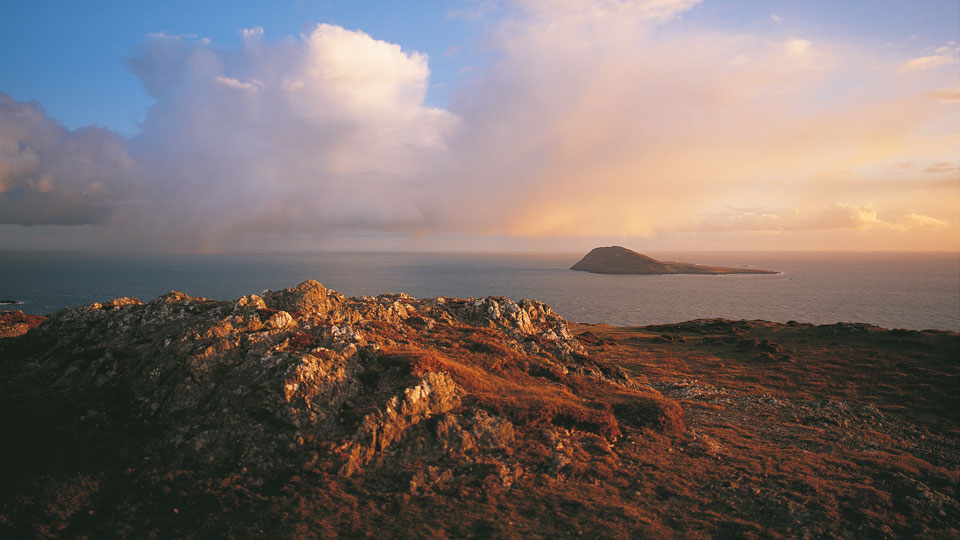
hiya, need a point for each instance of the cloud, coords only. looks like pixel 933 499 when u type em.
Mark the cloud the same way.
pixel 593 119
pixel 239 85
pixel 912 222
pixel 928 62
pixel 945 95
pixel 53 176
pixel 797 47
pixel 597 10
pixel 836 216
pixel 776 18
pixel 944 167
pixel 325 132
pixel 586 128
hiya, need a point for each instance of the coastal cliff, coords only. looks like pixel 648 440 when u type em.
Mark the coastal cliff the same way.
pixel 304 413
pixel 620 260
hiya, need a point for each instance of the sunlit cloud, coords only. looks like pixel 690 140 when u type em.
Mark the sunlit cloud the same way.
pixel 586 131
pixel 945 95
pixel 325 132
pixel 592 119
pixel 836 216
pixel 944 167
pixel 929 62
pixel 911 222
pixel 229 82
pixel 598 10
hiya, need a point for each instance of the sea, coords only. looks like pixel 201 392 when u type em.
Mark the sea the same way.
pixel 891 290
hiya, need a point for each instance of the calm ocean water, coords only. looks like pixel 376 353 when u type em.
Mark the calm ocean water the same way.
pixel 893 290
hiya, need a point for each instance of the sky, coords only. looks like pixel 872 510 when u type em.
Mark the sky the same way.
pixel 533 125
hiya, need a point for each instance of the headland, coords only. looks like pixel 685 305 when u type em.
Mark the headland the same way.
pixel 305 413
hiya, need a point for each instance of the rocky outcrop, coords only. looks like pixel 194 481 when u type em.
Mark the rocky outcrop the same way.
pixel 433 394
pixel 306 380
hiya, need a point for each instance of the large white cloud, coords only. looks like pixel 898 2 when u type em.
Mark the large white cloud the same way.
pixel 322 132
pixel 311 134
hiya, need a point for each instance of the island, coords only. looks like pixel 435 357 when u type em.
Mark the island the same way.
pixel 620 260
pixel 311 414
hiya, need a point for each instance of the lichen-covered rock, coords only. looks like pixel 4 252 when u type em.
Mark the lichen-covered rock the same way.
pixel 532 324
pixel 307 297
pixel 205 370
pixel 433 394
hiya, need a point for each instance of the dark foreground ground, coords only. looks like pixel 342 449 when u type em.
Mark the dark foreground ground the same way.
pixel 305 414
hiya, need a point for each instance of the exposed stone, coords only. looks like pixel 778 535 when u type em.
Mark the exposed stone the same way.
pixel 213 373
pixel 307 297
pixel 433 394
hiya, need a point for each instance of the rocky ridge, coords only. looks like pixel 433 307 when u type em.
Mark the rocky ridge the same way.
pixel 302 413
pixel 307 381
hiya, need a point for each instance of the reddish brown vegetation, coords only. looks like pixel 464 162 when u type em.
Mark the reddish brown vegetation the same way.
pixel 497 380
pixel 535 390
pixel 16 323
pixel 844 432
